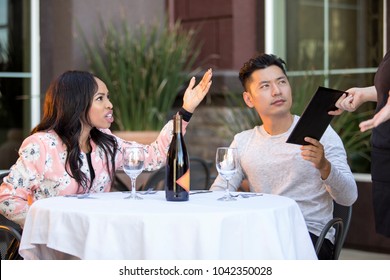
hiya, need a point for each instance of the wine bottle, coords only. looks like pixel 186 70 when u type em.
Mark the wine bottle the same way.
pixel 177 168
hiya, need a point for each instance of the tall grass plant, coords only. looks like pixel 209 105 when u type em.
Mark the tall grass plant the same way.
pixel 144 69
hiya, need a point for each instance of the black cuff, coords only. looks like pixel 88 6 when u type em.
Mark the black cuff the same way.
pixel 185 114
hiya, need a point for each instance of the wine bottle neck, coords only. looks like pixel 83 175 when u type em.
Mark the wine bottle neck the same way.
pixel 177 123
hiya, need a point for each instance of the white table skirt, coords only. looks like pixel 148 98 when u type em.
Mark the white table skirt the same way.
pixel 107 226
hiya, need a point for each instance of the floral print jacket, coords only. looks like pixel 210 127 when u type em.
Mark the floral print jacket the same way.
pixel 40 170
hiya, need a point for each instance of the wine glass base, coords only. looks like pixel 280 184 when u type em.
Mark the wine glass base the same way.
pixel 226 198
pixel 135 197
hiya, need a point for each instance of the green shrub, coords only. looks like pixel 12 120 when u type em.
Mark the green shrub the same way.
pixel 143 68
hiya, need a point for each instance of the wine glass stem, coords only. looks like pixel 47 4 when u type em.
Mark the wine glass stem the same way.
pixel 227 191
pixel 133 187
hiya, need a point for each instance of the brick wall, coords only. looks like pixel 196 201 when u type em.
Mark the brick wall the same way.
pixel 230 31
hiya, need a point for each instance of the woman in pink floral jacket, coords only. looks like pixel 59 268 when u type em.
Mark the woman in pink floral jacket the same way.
pixel 72 150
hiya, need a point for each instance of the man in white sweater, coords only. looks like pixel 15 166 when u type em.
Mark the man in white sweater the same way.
pixel 313 175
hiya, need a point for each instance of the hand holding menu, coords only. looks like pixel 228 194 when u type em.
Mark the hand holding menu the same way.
pixel 315 118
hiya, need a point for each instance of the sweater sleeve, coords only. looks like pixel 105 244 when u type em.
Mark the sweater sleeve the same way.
pixel 340 183
pixel 155 153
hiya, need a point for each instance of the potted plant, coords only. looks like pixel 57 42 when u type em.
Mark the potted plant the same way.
pixel 144 68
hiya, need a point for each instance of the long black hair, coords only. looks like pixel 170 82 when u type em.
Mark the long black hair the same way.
pixel 66 108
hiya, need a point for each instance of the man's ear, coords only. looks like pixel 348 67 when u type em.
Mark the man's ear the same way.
pixel 248 99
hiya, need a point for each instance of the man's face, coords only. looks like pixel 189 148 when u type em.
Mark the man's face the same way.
pixel 269 92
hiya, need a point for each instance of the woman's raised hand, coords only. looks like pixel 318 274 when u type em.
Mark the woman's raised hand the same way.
pixel 194 95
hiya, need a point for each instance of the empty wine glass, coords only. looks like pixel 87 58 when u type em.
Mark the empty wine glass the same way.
pixel 133 164
pixel 226 163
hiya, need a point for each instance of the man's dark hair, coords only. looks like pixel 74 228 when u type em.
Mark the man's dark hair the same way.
pixel 261 61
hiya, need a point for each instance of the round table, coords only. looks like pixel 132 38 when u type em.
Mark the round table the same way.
pixel 107 226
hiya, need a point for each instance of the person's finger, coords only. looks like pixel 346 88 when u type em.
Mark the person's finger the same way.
pixel 336 112
pixel 340 100
pixel 206 79
pixel 347 104
pixel 366 125
pixel 312 141
pixel 191 84
pixel 208 86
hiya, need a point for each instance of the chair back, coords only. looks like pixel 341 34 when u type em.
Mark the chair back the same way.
pixel 345 213
pixel 199 176
pixel 10 235
pixel 9 243
pixel 341 220
pixel 156 180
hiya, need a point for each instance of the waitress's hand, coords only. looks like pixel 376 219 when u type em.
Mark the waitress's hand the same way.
pixel 356 97
pixel 194 95
pixel 380 117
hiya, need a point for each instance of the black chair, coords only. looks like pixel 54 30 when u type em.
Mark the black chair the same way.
pixel 200 174
pixel 119 184
pixel 10 235
pixel 341 220
pixel 199 178
pixel 9 243
pixel 156 180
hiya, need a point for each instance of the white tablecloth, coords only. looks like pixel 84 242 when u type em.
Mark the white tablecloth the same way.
pixel 106 226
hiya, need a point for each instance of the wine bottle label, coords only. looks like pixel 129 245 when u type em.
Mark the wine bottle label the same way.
pixel 184 181
pixel 30 199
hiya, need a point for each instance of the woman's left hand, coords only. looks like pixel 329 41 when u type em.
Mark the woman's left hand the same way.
pixel 194 95
pixel 380 117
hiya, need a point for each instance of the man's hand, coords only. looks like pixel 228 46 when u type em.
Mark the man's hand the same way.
pixel 315 154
